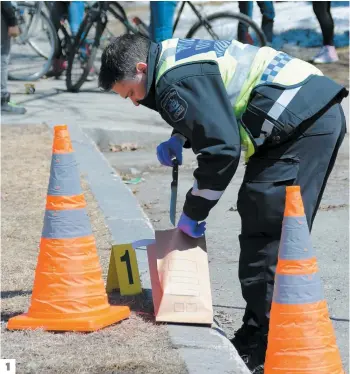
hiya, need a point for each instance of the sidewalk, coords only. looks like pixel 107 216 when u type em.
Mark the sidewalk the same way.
pixel 110 120
pixel 136 345
pixel 115 123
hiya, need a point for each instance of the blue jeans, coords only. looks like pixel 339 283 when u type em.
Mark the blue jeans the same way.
pixel 75 15
pixel 162 14
pixel 74 10
pixel 266 8
pixel 268 12
pixel 5 53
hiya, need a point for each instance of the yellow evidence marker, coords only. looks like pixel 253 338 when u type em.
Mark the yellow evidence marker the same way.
pixel 123 272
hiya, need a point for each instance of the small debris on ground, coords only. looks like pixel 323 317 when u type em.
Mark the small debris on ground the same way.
pixel 123 147
pixel 130 179
pixel 133 181
pixel 330 207
pixel 134 171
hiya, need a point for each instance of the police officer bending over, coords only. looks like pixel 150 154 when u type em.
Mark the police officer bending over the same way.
pixel 221 97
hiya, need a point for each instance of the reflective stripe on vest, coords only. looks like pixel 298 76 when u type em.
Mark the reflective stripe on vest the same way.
pixel 234 62
pixel 206 193
pixel 241 66
pixel 277 109
pixel 244 54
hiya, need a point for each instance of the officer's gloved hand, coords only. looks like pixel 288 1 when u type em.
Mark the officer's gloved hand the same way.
pixel 190 227
pixel 166 151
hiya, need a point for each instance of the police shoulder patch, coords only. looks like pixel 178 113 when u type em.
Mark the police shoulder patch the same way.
pixel 174 105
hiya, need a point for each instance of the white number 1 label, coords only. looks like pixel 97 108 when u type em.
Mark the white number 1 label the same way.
pixel 7 366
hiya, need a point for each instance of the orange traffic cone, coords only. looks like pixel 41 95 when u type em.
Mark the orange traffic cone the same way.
pixel 68 292
pixel 301 338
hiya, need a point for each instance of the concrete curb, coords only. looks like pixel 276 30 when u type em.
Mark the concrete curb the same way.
pixel 205 350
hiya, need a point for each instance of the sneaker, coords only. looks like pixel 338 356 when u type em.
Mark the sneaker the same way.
pixel 326 55
pixel 243 338
pixel 259 370
pixel 255 359
pixel 11 108
pixel 92 75
pixel 251 345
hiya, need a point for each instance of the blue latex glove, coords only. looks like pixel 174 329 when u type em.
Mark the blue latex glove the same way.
pixel 166 151
pixel 190 227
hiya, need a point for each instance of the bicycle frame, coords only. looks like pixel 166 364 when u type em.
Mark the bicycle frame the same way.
pixel 199 16
pixel 179 14
pixel 98 13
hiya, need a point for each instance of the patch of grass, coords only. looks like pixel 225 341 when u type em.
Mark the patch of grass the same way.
pixel 136 345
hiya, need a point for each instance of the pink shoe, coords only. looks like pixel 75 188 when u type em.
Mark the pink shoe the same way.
pixel 59 65
pixel 327 55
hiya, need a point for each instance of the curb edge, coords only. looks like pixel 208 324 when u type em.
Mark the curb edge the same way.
pixel 204 350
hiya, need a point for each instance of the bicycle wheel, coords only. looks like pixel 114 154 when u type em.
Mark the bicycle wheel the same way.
pixel 64 41
pixel 116 8
pixel 228 26
pixel 116 25
pixel 86 50
pixel 32 53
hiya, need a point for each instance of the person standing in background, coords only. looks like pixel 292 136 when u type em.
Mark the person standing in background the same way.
pixel 9 28
pixel 327 54
pixel 162 14
pixel 268 15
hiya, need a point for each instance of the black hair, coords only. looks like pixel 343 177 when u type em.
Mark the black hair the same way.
pixel 119 59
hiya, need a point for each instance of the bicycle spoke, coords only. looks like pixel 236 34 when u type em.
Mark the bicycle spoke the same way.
pixel 81 56
pixel 32 51
pixel 211 32
pixel 221 26
pixel 101 23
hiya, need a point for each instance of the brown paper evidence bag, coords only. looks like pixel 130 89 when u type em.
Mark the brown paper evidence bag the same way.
pixel 180 280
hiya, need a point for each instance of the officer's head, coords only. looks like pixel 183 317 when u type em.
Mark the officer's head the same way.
pixel 124 67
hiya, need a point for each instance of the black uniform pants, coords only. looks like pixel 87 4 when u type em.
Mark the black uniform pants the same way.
pixel 307 160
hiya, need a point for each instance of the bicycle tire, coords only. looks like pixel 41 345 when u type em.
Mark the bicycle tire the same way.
pixel 119 7
pixel 65 42
pixel 85 27
pixel 237 17
pixel 114 12
pixel 87 24
pixel 47 65
pixel 114 8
